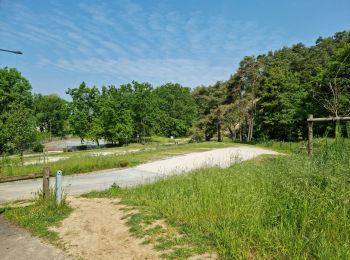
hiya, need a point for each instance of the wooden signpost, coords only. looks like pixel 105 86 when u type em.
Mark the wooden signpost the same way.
pixel 311 120
pixel 46 183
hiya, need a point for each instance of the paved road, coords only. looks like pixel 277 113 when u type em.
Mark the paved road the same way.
pixel 18 244
pixel 145 173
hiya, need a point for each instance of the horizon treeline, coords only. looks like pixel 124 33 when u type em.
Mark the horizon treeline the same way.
pixel 271 95
pixel 268 97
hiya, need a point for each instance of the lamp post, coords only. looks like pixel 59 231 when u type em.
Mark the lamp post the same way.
pixel 15 52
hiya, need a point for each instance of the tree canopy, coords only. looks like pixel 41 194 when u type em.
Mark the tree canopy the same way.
pixel 268 97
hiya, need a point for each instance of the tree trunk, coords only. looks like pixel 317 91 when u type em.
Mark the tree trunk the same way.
pixel 231 132
pixel 240 132
pixel 249 128
pixel 21 155
pixel 219 132
pixel 252 129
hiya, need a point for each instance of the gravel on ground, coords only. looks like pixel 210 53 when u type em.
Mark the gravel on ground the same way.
pixel 142 174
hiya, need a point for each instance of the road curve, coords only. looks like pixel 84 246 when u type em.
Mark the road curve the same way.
pixel 142 174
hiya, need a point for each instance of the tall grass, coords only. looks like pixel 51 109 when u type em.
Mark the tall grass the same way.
pixel 287 207
pixel 40 215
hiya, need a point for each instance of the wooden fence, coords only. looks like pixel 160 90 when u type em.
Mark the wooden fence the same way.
pixel 311 120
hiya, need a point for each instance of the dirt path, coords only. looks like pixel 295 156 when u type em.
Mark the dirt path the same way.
pixel 96 230
pixel 18 244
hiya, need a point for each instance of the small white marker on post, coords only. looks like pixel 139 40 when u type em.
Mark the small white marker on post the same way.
pixel 58 187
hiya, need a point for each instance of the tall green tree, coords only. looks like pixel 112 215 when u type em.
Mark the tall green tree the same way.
pixel 176 108
pixel 20 130
pixel 280 106
pixel 14 90
pixel 51 113
pixel 84 112
pixel 15 96
pixel 208 101
pixel 333 83
pixel 144 109
pixel 116 113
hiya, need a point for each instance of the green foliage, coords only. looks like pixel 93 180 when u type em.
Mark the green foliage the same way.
pixel 19 129
pixel 270 96
pixel 144 109
pixel 51 113
pixel 208 100
pixel 132 110
pixel 15 98
pixel 38 147
pixel 272 207
pixel 333 83
pixel 14 90
pixel 116 113
pixel 84 110
pixel 177 109
pixel 279 107
pixel 40 216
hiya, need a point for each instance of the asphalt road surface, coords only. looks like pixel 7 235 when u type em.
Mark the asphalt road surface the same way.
pixel 18 244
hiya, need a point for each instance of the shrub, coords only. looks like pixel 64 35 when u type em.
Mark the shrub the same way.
pixel 38 147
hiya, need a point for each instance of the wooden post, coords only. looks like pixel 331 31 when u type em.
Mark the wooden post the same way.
pixel 46 183
pixel 310 146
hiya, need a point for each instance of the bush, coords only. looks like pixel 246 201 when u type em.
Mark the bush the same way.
pixel 38 147
pixel 123 164
pixel 196 139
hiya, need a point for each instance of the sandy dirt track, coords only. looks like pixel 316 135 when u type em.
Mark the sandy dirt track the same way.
pixel 96 230
pixel 142 174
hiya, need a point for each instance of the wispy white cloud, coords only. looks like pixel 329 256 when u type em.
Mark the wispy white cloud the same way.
pixel 158 71
pixel 125 41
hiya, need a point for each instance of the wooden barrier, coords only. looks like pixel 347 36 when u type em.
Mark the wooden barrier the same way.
pixel 311 120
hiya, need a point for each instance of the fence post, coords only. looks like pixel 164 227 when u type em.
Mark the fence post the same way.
pixel 310 145
pixel 58 187
pixel 46 183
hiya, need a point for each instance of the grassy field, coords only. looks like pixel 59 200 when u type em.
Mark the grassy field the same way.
pixel 38 216
pixel 286 207
pixel 82 162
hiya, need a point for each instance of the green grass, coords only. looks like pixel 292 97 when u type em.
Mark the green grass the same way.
pixel 284 147
pixel 286 207
pixel 39 216
pixel 83 162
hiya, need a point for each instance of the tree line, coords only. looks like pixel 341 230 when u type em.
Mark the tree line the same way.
pixel 268 97
pixel 132 111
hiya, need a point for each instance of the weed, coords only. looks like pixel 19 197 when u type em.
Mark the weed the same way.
pixel 286 207
pixel 40 216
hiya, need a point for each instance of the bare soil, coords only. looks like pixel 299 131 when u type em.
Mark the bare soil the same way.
pixel 96 230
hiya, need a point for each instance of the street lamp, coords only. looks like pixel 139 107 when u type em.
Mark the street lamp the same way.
pixel 15 52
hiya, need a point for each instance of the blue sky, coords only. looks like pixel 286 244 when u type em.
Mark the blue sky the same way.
pixel 192 42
